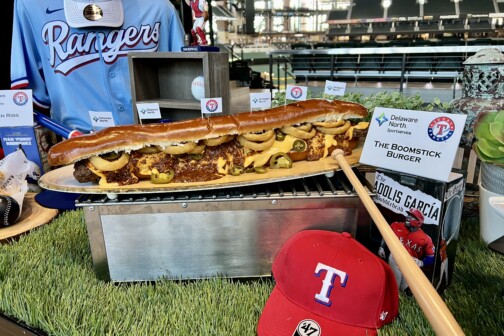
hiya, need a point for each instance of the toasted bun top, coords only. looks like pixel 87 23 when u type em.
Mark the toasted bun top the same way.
pixel 133 137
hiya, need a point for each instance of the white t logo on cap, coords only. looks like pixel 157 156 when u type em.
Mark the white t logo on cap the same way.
pixel 328 283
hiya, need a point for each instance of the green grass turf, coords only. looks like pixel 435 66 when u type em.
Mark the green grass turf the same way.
pixel 47 281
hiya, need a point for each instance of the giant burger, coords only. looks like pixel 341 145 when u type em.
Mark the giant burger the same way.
pixel 204 149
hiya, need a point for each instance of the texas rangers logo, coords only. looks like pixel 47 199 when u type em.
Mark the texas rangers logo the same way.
pixel 296 92
pixel 69 50
pixel 441 129
pixel 212 105
pixel 20 98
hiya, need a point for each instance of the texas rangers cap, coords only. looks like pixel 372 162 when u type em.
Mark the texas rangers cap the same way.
pixel 327 283
pixel 94 13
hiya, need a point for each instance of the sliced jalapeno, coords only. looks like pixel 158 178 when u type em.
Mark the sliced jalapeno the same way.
pixel 162 178
pixel 299 145
pixel 249 170
pixel 280 160
pixel 279 136
pixel 260 170
pixel 237 170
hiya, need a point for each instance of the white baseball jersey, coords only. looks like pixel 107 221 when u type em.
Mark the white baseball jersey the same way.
pixel 72 71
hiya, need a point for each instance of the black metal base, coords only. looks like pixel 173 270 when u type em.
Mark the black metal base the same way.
pixel 497 245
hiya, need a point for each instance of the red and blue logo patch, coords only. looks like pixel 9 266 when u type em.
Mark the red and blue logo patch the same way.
pixel 441 129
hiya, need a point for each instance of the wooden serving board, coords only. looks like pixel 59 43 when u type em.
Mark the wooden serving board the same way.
pixel 62 179
pixel 32 215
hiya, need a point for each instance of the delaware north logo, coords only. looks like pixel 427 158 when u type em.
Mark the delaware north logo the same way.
pixel 20 98
pixel 296 92
pixel 212 105
pixel 441 129
pixel 381 119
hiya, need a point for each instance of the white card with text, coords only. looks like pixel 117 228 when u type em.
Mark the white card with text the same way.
pixel 334 88
pixel 414 142
pixel 260 100
pixel 148 111
pixel 16 108
pixel 101 120
pixel 211 105
pixel 296 92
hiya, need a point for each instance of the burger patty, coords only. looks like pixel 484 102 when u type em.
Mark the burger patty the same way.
pixel 83 174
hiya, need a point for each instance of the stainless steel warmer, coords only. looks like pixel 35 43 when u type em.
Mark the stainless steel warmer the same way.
pixel 233 232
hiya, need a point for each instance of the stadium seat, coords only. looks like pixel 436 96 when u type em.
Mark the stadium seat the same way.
pixel 301 62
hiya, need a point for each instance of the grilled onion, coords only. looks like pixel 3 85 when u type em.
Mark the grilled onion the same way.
pixel 104 165
pixel 330 124
pixel 217 141
pixel 335 130
pixel 299 133
pixel 257 146
pixel 149 150
pixel 199 149
pixel 264 136
pixel 183 148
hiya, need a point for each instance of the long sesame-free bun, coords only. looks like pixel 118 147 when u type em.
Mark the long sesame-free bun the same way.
pixel 133 137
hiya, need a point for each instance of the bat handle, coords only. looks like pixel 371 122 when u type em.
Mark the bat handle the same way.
pixel 433 306
pixel 55 126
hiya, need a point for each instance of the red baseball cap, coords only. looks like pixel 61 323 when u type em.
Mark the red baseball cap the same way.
pixel 327 283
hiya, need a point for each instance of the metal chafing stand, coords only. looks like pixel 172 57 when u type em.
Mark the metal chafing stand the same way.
pixel 234 232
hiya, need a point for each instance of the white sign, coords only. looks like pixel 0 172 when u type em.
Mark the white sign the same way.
pixel 260 100
pixel 148 111
pixel 334 88
pixel 414 142
pixel 101 120
pixel 399 198
pixel 211 105
pixel 16 108
pixel 296 92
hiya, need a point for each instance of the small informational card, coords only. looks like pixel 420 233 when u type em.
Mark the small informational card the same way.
pixel 16 108
pixel 334 88
pixel 211 105
pixel 296 92
pixel 260 100
pixel 148 111
pixel 101 120
pixel 414 142
pixel 24 138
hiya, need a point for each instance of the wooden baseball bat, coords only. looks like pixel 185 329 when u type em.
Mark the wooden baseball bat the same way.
pixel 433 306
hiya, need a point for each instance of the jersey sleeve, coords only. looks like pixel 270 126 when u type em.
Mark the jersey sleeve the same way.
pixel 429 248
pixel 26 65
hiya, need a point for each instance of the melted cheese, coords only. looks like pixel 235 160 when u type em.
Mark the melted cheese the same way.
pixel 103 180
pixel 360 126
pixel 221 166
pixel 329 141
pixel 261 159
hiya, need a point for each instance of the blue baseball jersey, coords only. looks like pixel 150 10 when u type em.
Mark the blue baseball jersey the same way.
pixel 72 71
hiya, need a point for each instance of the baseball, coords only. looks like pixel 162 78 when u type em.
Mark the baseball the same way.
pixel 9 211
pixel 198 88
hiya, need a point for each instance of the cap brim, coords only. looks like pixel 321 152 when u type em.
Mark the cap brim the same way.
pixel 112 14
pixel 57 200
pixel 281 317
